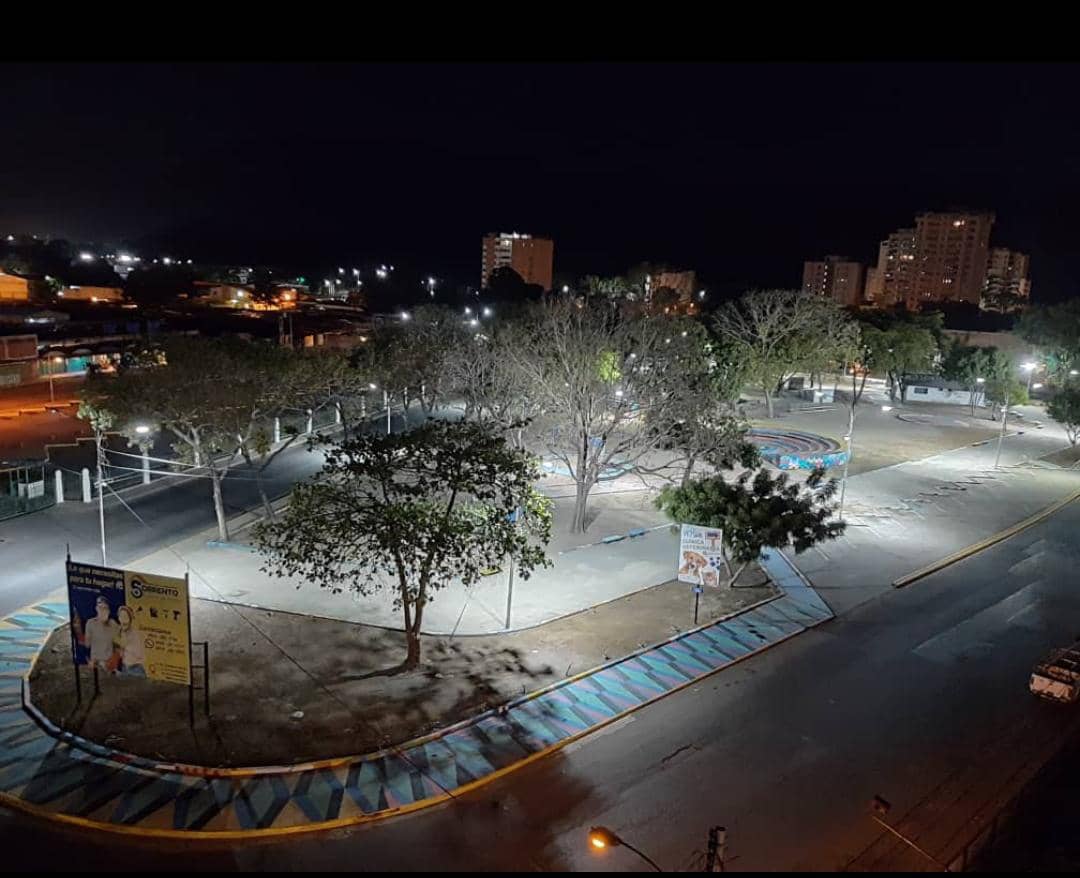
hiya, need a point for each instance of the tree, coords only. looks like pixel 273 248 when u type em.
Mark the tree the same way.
pixel 1064 408
pixel 204 397
pixel 779 332
pixel 899 349
pixel 1055 330
pixel 975 367
pixel 753 514
pixel 413 512
pixel 601 383
pixel 506 285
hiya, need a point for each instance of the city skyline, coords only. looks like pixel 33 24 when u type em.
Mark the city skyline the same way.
pixel 335 163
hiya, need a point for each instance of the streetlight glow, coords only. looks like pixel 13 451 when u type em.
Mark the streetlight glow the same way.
pixel 1036 385
pixel 487 311
pixel 142 429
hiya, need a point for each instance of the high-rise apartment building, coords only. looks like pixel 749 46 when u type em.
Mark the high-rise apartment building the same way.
pixel 1007 283
pixel 836 277
pixel 892 279
pixel 951 250
pixel 530 257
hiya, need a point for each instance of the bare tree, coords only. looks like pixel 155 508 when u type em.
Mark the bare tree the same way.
pixel 779 332
pixel 602 384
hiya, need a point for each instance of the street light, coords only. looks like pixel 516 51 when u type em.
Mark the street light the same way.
pixel 487 311
pixel 601 838
pixel 1036 385
pixel 405 315
pixel 1030 368
pixel 847 460
pixel 142 429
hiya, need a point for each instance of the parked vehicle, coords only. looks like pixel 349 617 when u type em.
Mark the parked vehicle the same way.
pixel 1057 677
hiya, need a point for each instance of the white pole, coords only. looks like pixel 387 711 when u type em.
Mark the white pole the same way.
pixel 52 393
pixel 1001 435
pixel 337 412
pixel 386 399
pixel 145 468
pixel 277 430
pixel 101 499
pixel 847 460
pixel 310 423
pixel 85 485
pixel 59 486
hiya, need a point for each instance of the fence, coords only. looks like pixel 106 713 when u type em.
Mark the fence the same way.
pixel 24 487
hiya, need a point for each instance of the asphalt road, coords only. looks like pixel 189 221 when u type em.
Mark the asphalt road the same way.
pixel 33 547
pixel 785 749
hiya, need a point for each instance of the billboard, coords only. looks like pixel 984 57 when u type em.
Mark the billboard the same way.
pixel 700 557
pixel 129 623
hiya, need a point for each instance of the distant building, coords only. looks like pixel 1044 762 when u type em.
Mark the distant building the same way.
pixel 835 277
pixel 951 252
pixel 682 283
pixel 893 278
pixel 530 257
pixel 77 293
pixel 1007 284
pixel 13 288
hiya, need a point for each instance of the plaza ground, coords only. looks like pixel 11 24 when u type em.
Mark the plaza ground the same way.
pixel 268 665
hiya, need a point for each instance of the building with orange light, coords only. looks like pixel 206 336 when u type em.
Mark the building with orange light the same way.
pixel 14 288
pixel 77 293
pixel 532 258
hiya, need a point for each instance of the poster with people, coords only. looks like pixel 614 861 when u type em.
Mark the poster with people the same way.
pixel 130 624
pixel 700 557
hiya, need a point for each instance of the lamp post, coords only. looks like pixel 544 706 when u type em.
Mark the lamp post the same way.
pixel 601 838
pixel 52 394
pixel 386 401
pixel 1030 368
pixel 847 460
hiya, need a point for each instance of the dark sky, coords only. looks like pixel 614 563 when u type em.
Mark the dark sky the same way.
pixel 739 171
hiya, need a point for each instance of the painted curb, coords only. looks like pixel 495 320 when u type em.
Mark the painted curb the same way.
pixel 806 611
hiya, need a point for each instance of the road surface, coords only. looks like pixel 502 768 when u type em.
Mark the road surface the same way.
pixel 785 749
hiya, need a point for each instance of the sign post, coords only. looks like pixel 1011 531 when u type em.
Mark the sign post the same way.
pixel 514 517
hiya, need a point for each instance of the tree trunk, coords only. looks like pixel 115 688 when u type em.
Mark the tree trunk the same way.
pixel 267 507
pixel 581 499
pixel 862 385
pixel 690 461
pixel 768 402
pixel 219 502
pixel 738 573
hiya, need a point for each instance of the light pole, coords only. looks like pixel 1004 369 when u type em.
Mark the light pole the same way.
pixel 52 394
pixel 847 460
pixel 386 401
pixel 601 838
pixel 1030 368
pixel 1001 435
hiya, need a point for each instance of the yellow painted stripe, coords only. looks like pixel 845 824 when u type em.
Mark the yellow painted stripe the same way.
pixel 966 552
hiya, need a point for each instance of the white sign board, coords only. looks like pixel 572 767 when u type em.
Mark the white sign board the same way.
pixel 700 558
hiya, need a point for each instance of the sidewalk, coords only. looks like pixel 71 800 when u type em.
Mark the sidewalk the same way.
pixel 73 781
pixel 585 572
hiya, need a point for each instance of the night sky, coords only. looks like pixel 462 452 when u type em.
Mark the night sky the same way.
pixel 738 171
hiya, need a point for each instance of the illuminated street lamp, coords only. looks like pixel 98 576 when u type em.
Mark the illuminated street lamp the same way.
pixel 1030 369
pixel 487 311
pixel 601 838
pixel 405 315
pixel 1036 385
pixel 142 429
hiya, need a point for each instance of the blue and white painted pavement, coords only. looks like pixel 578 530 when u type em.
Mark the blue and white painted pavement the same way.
pixel 60 776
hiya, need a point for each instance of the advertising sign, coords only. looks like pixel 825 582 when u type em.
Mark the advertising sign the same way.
pixel 700 558
pixel 130 624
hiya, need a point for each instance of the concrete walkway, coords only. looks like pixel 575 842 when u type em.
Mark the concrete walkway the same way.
pixel 59 776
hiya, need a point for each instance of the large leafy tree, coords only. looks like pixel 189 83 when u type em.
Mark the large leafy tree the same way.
pixel 1064 408
pixel 1055 330
pixel 899 349
pixel 414 512
pixel 976 367
pixel 755 512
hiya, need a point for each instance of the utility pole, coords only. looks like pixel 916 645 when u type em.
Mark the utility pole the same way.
pixel 100 493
